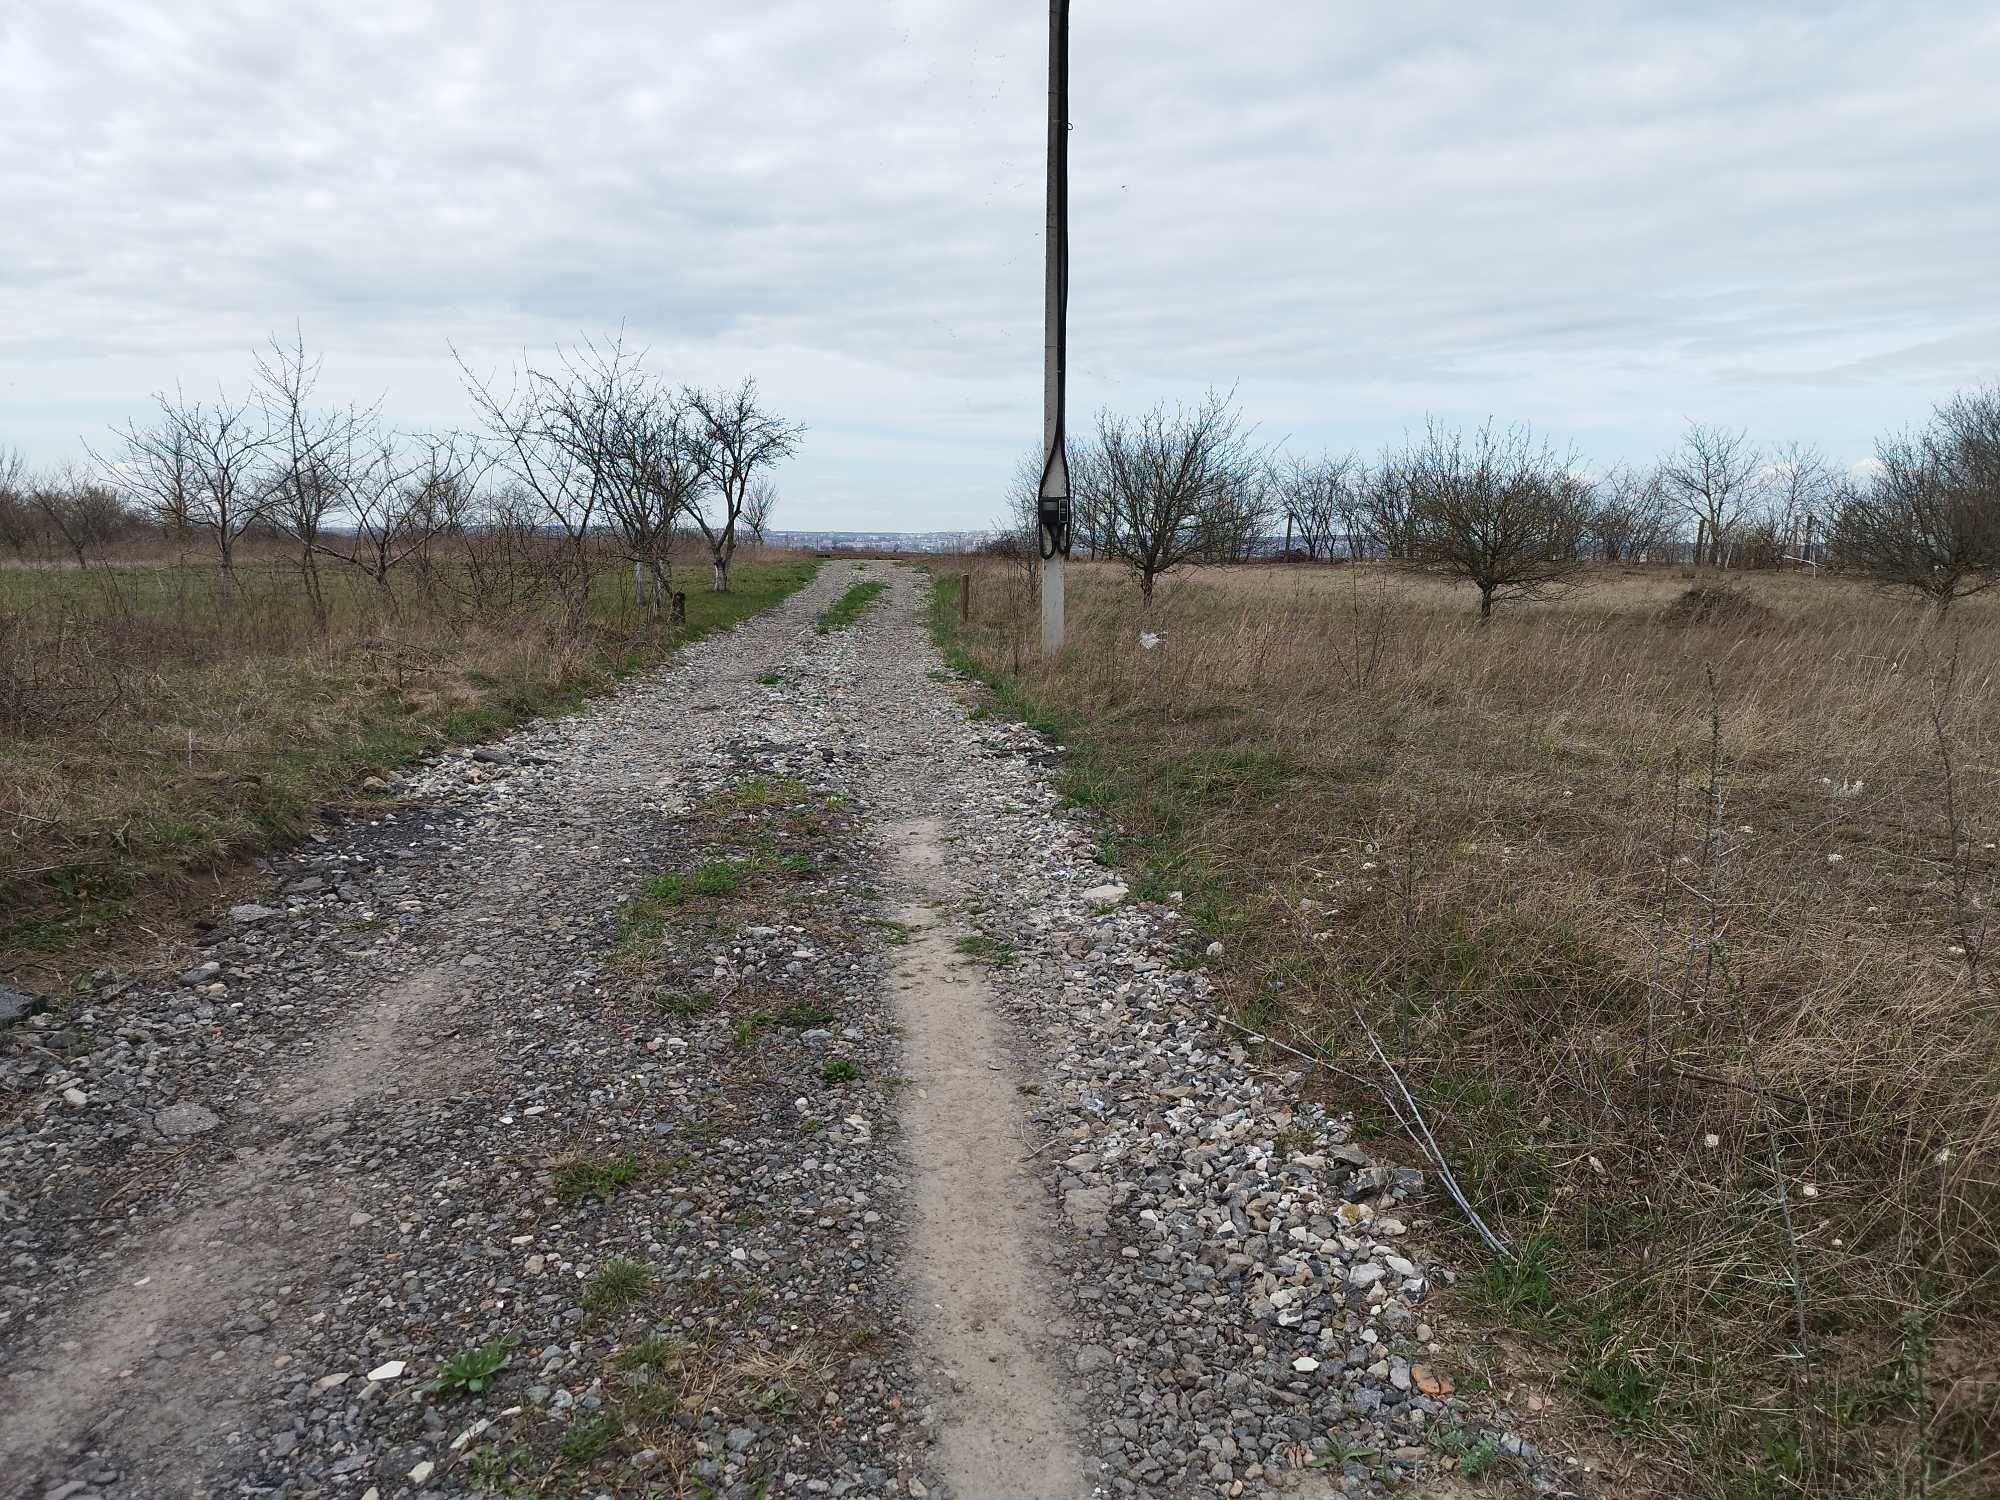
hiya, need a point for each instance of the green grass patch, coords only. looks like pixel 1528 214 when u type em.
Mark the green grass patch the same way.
pixel 601 1177
pixel 849 607
pixel 590 1438
pixel 986 950
pixel 618 1283
pixel 803 1015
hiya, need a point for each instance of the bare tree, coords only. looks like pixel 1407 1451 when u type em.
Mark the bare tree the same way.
pixel 199 465
pixel 760 507
pixel 632 435
pixel 1317 494
pixel 1497 508
pixel 734 441
pixel 1239 518
pixel 403 490
pixel 313 457
pixel 1803 489
pixel 1383 519
pixel 1630 514
pixel 1715 476
pixel 17 522
pixel 551 477
pixel 86 515
pixel 1165 475
pixel 1930 520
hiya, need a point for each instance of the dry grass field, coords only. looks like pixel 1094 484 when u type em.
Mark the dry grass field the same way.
pixel 158 722
pixel 1674 912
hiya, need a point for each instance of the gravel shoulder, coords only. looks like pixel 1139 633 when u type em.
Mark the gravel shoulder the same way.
pixel 750 1085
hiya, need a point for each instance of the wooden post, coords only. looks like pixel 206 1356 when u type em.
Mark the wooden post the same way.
pixel 964 597
pixel 680 616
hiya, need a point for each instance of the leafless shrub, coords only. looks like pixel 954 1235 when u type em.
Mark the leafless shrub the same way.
pixel 733 441
pixel 17 522
pixel 1715 476
pixel 1631 517
pixel 761 505
pixel 199 466
pixel 86 515
pixel 1930 521
pixel 52 677
pixel 1172 479
pixel 1318 494
pixel 553 481
pixel 1497 508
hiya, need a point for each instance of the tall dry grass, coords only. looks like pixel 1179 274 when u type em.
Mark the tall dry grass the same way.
pixel 160 719
pixel 1670 911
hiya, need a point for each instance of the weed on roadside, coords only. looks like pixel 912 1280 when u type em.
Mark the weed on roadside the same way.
pixel 472 1370
pixel 803 1015
pixel 581 1176
pixel 589 1438
pixel 987 950
pixel 618 1283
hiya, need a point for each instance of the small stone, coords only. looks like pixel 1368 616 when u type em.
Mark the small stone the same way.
pixel 422 1471
pixel 1366 1274
pixel 1092 1357
pixel 1108 894
pixel 389 1371
pixel 75 1097
pixel 1305 1364
pixel 186 1119
pixel 249 914
pixel 1214 949
pixel 16 1005
pixel 1429 1381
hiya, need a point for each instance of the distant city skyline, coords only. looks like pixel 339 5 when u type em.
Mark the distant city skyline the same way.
pixel 1602 220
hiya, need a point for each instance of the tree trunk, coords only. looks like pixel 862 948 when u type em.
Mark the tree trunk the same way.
pixel 721 574
pixel 1485 604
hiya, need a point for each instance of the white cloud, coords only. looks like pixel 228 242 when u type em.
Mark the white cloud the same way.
pixel 1604 219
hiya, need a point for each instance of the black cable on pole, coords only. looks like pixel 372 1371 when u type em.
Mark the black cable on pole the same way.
pixel 1053 509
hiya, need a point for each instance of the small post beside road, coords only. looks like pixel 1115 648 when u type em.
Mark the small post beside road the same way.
pixel 964 597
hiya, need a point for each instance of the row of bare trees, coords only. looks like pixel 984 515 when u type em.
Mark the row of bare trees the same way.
pixel 66 511
pixel 572 454
pixel 1503 510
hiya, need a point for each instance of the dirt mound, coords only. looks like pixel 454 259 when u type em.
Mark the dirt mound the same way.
pixel 1714 604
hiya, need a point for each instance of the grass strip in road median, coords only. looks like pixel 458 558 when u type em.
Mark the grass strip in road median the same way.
pixel 849 607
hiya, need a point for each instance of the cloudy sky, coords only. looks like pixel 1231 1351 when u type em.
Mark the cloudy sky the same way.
pixel 1606 219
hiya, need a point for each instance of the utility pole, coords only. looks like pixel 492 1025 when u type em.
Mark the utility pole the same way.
pixel 1053 504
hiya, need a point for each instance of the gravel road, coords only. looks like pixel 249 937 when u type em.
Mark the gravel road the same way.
pixel 750 1085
